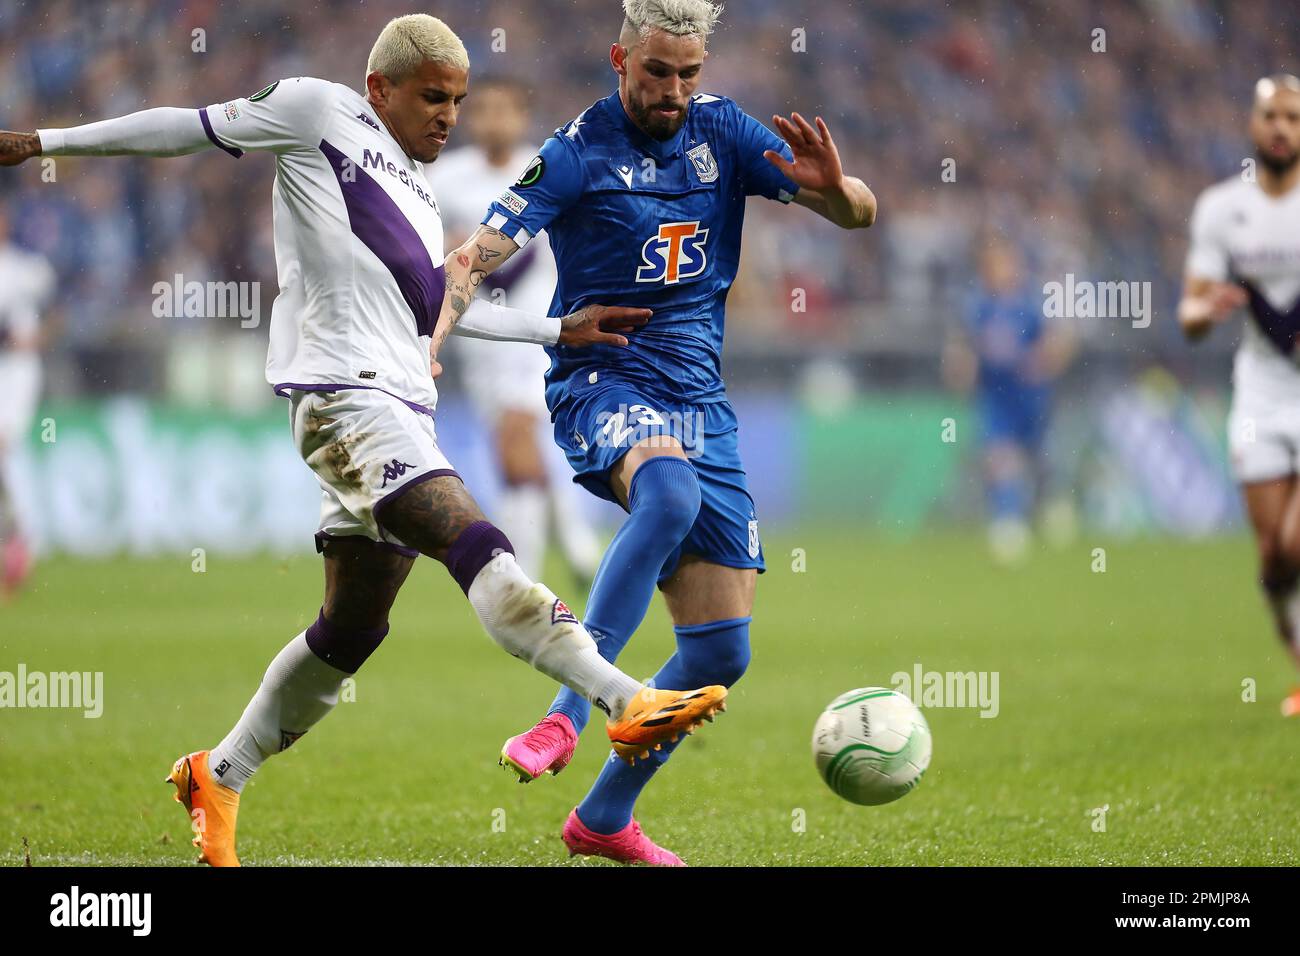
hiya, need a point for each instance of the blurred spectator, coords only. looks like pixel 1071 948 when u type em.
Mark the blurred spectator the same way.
pixel 1091 158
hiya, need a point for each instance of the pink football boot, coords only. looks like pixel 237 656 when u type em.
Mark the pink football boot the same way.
pixel 548 746
pixel 628 845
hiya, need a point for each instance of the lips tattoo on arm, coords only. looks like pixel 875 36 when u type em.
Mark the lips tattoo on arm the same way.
pixel 466 268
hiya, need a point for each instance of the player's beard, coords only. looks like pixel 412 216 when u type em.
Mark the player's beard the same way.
pixel 1277 165
pixel 656 125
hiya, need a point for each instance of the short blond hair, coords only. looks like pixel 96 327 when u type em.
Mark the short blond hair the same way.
pixel 406 42
pixel 675 17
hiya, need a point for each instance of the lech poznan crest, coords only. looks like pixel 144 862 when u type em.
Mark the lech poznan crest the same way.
pixel 706 167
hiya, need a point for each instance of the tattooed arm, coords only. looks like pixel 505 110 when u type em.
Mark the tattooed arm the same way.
pixel 482 254
pixel 466 268
pixel 16 148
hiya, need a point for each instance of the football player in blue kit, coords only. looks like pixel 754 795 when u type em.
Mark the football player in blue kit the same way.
pixel 643 198
pixel 1010 355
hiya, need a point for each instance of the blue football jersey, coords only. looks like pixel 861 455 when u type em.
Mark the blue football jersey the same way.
pixel 1005 331
pixel 638 222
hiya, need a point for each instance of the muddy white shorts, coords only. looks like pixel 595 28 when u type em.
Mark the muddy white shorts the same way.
pixel 366 448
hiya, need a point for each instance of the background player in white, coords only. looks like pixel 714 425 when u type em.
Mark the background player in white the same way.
pixel 504 379
pixel 1245 254
pixel 26 283
pixel 357 235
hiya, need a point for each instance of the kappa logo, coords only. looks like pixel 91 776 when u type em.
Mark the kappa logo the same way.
pixel 560 612
pixel 367 120
pixel 394 471
pixel 675 252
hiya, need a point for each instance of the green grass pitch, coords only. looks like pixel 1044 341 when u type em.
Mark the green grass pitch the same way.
pixel 1121 689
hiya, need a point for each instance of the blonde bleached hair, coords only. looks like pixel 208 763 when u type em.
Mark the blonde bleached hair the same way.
pixel 676 17
pixel 406 42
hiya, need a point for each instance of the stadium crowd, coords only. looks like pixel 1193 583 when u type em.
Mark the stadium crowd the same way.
pixel 963 117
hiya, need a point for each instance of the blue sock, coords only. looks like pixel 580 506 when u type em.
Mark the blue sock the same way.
pixel 714 653
pixel 665 498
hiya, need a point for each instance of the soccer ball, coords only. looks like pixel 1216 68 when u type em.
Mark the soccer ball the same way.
pixel 871 745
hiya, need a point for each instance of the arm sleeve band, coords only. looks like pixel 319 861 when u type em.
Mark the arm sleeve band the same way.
pixel 163 131
pixel 486 320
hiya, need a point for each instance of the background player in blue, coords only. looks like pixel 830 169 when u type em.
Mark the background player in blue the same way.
pixel 1010 356
pixel 643 197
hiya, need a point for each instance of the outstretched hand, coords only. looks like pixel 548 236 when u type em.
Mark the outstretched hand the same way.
pixel 816 160
pixel 600 325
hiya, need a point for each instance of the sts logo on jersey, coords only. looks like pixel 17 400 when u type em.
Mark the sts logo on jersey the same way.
pixel 674 253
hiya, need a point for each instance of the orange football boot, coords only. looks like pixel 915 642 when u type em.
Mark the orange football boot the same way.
pixel 657 717
pixel 212 808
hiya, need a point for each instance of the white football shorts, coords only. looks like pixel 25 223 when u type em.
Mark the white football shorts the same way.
pixel 366 447
pixel 1263 436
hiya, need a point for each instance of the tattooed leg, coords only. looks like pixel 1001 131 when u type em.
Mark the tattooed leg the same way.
pixel 432 515
pixel 440 518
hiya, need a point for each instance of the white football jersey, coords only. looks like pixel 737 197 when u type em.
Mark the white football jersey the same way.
pixel 358 239
pixel 1241 234
pixel 26 283
pixel 468 185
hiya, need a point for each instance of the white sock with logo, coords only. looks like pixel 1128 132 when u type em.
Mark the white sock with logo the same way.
pixel 533 624
pixel 298 690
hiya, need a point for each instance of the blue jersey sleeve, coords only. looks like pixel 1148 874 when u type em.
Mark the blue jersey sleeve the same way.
pixel 549 185
pixel 759 177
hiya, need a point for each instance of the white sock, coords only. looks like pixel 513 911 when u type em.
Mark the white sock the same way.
pixel 534 625
pixel 521 514
pixel 298 690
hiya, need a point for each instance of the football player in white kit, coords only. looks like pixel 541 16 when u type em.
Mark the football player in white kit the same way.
pixel 359 253
pixel 504 379
pixel 1245 256
pixel 26 283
